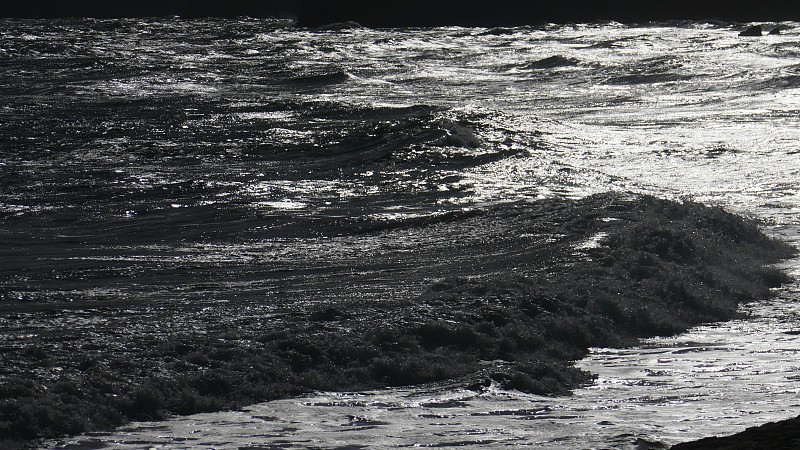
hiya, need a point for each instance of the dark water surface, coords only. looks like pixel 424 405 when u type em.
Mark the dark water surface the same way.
pixel 184 173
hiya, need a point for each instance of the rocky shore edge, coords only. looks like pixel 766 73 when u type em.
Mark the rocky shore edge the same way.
pixel 616 269
pixel 782 435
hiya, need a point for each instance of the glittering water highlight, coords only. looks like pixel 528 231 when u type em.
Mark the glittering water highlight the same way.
pixel 246 158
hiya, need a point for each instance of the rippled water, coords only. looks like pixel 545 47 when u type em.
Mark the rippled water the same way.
pixel 713 380
pixel 245 159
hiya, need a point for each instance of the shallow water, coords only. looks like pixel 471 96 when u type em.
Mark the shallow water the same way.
pixel 715 379
pixel 174 163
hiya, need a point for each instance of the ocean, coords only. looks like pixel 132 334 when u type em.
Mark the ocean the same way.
pixel 170 177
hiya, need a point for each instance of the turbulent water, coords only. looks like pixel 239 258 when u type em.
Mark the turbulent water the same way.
pixel 187 164
pixel 711 381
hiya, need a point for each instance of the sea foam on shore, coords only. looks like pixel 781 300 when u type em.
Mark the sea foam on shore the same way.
pixel 561 276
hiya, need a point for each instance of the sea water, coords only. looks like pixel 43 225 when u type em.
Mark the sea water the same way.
pixel 203 161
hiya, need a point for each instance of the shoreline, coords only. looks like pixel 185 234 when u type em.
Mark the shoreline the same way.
pixel 621 268
pixel 784 434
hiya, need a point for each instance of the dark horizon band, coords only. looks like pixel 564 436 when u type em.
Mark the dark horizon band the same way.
pixel 410 13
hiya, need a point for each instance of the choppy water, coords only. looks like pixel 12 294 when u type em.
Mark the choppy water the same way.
pixel 712 380
pixel 209 161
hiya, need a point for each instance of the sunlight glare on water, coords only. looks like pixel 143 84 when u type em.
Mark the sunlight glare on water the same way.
pixel 678 111
pixel 714 379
